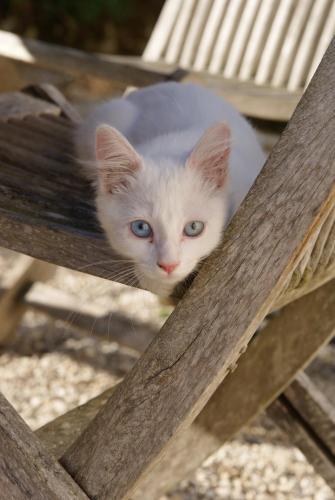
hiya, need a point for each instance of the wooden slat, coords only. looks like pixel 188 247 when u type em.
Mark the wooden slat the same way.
pixel 287 344
pixel 127 71
pixel 305 53
pixel 315 410
pixel 225 35
pixel 162 30
pixel 275 39
pixel 26 469
pixel 300 435
pixel 202 339
pixel 240 40
pixel 290 44
pixel 29 139
pixel 326 35
pixel 209 35
pixel 179 32
pixel 257 39
pixel 199 18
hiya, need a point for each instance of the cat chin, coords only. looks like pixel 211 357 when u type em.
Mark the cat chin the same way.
pixel 158 287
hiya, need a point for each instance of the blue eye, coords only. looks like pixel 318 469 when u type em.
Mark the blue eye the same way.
pixel 194 228
pixel 141 228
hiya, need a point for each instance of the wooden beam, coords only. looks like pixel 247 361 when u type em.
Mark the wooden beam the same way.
pixel 26 469
pixel 204 336
pixel 314 409
pixel 301 436
pixel 286 345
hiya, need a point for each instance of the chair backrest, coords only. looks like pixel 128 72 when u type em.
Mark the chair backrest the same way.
pixel 274 42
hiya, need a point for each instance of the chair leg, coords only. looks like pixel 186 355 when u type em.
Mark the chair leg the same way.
pixel 27 271
pixel 308 419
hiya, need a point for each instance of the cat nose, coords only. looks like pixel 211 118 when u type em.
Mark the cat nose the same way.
pixel 168 267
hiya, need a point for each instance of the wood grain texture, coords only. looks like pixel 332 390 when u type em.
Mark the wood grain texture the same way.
pixel 286 345
pixel 26 469
pixel 300 435
pixel 57 210
pixel 191 355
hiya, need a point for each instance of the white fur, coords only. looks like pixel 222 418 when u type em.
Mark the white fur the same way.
pixel 164 123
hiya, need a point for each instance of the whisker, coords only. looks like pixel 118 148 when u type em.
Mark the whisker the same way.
pixel 109 261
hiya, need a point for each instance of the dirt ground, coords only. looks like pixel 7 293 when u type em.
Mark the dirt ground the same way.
pixel 50 367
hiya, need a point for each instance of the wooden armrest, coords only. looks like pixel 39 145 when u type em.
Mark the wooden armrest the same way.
pixel 121 69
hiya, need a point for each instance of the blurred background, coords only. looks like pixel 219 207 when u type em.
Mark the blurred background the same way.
pixel 111 26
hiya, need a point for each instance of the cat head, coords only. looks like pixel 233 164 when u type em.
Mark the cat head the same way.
pixel 162 215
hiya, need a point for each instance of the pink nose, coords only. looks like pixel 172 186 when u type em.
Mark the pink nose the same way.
pixel 168 268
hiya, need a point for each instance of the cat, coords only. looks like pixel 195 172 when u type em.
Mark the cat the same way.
pixel 171 163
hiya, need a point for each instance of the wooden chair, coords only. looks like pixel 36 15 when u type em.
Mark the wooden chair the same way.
pixel 259 53
pixel 198 46
pixel 273 43
pixel 185 396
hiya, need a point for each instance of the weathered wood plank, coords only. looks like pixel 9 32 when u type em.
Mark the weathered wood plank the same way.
pixel 286 345
pixel 202 339
pixel 299 434
pixel 26 469
pixel 315 409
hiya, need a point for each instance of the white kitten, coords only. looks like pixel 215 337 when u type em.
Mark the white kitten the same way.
pixel 171 164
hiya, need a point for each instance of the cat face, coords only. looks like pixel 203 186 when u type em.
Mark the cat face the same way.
pixel 164 217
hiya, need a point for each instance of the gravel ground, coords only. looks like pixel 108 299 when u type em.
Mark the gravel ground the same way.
pixel 50 368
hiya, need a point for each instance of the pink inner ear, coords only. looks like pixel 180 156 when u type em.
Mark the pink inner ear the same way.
pixel 118 160
pixel 210 155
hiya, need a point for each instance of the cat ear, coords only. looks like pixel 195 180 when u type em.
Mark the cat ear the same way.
pixel 210 155
pixel 117 159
